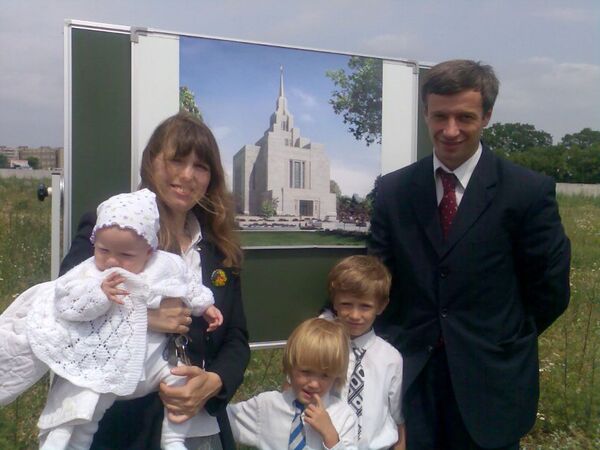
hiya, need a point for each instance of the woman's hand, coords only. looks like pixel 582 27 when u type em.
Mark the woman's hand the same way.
pixel 172 317
pixel 184 402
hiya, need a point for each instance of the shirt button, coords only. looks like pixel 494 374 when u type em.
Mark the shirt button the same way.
pixel 444 313
pixel 430 348
pixel 443 272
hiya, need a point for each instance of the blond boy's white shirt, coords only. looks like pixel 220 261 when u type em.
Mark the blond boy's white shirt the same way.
pixel 382 393
pixel 264 422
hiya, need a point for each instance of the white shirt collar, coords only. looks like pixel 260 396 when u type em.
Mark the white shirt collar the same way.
pixel 193 227
pixel 365 340
pixel 464 171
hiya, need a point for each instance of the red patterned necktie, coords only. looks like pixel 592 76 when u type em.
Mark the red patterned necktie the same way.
pixel 447 207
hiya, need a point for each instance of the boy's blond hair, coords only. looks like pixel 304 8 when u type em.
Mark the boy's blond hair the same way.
pixel 360 276
pixel 320 345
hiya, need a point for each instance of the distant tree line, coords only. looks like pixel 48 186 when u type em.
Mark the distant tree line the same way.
pixel 575 159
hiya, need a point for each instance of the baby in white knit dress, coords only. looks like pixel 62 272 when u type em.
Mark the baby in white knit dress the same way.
pixel 90 325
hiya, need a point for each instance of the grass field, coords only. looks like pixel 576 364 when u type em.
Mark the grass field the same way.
pixel 569 412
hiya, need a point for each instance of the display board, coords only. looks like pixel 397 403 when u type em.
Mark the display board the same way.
pixel 120 82
pixel 99 157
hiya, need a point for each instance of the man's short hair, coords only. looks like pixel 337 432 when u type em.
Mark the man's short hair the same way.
pixel 360 276
pixel 457 75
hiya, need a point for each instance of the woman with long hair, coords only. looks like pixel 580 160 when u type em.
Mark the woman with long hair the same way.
pixel 182 166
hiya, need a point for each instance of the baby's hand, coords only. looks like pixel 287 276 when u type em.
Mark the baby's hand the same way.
pixel 214 318
pixel 317 417
pixel 110 289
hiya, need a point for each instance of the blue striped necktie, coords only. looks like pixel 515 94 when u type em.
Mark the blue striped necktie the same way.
pixel 297 438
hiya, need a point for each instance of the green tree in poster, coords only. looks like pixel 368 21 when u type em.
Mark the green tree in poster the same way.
pixel 268 208
pixel 358 97
pixel 187 102
pixel 515 137
pixel 334 188
pixel 33 162
pixel 584 139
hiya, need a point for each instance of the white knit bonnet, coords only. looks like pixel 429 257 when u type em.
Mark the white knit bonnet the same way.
pixel 136 211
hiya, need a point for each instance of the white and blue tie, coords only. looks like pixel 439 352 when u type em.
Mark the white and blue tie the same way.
pixel 297 437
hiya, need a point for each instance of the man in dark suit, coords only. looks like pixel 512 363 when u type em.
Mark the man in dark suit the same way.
pixel 480 267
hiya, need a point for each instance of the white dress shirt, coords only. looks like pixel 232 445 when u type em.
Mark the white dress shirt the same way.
pixel 463 174
pixel 202 424
pixel 382 394
pixel 265 421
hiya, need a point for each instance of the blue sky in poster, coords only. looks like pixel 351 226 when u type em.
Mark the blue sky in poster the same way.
pixel 236 87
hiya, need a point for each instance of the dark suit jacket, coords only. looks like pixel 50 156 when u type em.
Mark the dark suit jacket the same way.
pixel 500 279
pixel 136 424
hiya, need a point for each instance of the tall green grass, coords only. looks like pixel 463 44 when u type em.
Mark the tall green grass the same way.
pixel 569 412
pixel 24 261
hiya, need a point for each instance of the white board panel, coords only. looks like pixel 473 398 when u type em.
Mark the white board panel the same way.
pixel 154 89
pixel 399 116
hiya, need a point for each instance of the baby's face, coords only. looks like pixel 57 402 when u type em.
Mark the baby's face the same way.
pixel 116 247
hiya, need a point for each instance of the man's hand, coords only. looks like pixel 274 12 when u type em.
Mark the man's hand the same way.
pixel 184 402
pixel 110 289
pixel 172 317
pixel 317 417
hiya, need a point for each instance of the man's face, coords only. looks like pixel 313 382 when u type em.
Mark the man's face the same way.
pixel 455 125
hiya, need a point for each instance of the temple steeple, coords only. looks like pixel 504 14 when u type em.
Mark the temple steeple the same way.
pixel 281 119
pixel 281 81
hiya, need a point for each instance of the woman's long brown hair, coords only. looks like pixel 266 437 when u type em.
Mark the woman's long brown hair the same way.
pixel 177 137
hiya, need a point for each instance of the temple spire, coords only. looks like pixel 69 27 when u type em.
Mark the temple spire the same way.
pixel 281 117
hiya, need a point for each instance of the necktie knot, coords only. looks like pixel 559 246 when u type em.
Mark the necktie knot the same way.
pixel 358 353
pixel 299 406
pixel 448 180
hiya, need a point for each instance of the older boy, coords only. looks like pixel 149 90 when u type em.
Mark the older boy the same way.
pixel 359 291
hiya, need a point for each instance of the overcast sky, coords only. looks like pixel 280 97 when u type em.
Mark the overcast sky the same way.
pixel 546 53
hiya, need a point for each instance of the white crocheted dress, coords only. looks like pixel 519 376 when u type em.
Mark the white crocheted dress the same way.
pixel 97 344
pixel 19 368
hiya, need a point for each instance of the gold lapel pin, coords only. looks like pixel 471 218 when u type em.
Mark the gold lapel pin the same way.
pixel 218 278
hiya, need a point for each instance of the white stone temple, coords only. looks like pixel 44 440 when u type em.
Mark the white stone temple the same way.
pixel 285 169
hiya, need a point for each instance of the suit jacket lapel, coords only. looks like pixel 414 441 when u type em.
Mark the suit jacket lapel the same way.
pixel 424 202
pixel 477 197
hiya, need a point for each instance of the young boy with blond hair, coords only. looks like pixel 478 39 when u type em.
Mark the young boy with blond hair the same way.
pixel 359 289
pixel 306 415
